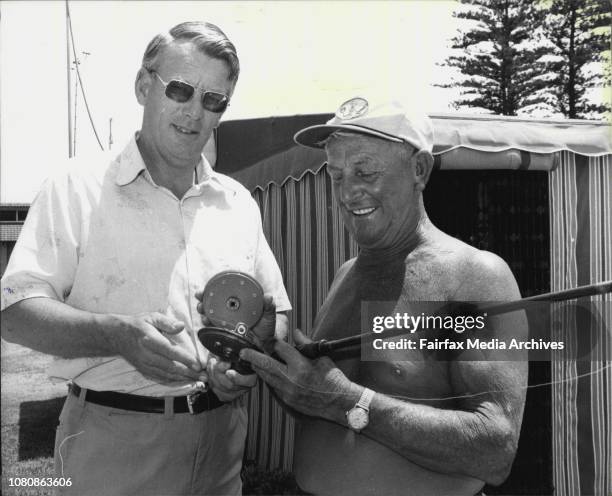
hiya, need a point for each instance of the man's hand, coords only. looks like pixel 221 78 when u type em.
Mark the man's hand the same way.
pixel 142 340
pixel 227 384
pixel 313 387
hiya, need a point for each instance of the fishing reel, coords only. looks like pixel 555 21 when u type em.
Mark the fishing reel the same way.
pixel 233 303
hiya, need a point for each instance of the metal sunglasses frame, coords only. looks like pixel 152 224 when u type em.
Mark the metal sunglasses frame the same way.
pixel 194 88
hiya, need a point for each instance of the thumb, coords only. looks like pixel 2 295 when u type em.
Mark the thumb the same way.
pixel 300 338
pixel 166 324
pixel 264 329
pixel 269 309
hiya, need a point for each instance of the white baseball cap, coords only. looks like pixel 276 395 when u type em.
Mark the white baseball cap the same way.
pixel 389 120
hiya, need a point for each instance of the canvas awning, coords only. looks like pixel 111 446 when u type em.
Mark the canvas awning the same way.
pixel 258 152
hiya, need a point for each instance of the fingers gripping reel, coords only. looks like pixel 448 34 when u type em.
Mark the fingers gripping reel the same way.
pixel 233 303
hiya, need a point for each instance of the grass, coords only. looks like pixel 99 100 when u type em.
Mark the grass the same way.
pixel 30 409
pixel 31 405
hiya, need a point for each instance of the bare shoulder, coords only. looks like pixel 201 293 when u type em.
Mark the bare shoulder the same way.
pixel 344 268
pixel 483 276
pixel 341 273
pixel 464 273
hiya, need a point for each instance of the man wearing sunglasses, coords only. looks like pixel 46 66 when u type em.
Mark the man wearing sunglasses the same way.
pixel 105 276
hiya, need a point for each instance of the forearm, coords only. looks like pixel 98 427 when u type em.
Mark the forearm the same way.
pixel 53 327
pixel 469 443
pixel 451 441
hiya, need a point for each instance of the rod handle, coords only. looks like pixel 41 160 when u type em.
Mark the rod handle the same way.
pixel 314 349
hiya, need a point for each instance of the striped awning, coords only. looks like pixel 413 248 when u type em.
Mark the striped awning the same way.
pixel 581 251
pixel 259 152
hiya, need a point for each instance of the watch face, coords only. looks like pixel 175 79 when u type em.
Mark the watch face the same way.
pixel 357 418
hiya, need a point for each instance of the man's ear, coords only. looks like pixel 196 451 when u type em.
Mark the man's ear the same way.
pixel 142 85
pixel 423 161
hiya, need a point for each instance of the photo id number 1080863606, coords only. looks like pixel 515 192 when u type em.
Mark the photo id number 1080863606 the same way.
pixel 39 482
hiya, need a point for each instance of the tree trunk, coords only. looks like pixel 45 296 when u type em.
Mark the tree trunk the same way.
pixel 571 83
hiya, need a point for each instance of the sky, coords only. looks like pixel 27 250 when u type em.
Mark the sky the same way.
pixel 296 58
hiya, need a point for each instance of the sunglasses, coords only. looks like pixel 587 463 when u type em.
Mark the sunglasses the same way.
pixel 181 92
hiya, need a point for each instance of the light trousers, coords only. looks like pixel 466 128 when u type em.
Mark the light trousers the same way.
pixel 108 451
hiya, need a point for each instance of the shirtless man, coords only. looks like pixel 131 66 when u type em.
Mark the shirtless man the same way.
pixel 430 425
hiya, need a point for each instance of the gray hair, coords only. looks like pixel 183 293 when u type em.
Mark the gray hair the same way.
pixel 206 37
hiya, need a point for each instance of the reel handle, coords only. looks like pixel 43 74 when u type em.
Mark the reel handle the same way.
pixel 226 345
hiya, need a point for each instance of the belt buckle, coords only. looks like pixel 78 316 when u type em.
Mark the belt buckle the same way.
pixel 191 398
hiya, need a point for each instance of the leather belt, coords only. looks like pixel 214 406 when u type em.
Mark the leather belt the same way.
pixel 193 403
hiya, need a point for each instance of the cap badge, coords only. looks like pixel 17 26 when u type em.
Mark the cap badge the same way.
pixel 353 108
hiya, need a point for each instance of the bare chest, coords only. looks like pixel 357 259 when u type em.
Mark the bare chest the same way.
pixel 418 375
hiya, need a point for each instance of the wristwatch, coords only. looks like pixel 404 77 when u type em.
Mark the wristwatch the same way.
pixel 358 416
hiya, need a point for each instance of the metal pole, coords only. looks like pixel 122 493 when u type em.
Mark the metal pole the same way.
pixel 68 85
pixel 76 102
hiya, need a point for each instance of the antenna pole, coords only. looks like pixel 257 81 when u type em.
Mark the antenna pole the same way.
pixel 70 151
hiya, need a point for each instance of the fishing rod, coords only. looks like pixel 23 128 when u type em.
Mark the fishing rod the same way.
pixel 351 345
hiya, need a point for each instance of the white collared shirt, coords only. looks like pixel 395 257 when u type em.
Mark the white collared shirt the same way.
pixel 109 240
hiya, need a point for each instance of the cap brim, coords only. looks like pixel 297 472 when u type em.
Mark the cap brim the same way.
pixel 315 136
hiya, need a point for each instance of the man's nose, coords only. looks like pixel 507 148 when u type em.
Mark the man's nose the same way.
pixel 350 189
pixel 193 108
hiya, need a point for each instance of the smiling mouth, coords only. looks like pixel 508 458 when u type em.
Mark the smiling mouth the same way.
pixel 184 130
pixel 360 212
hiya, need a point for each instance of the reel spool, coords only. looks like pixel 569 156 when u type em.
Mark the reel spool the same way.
pixel 233 302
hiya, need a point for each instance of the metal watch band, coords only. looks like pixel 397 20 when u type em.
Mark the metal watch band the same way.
pixel 365 399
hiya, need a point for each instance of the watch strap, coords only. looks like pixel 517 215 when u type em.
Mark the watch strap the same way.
pixel 365 399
